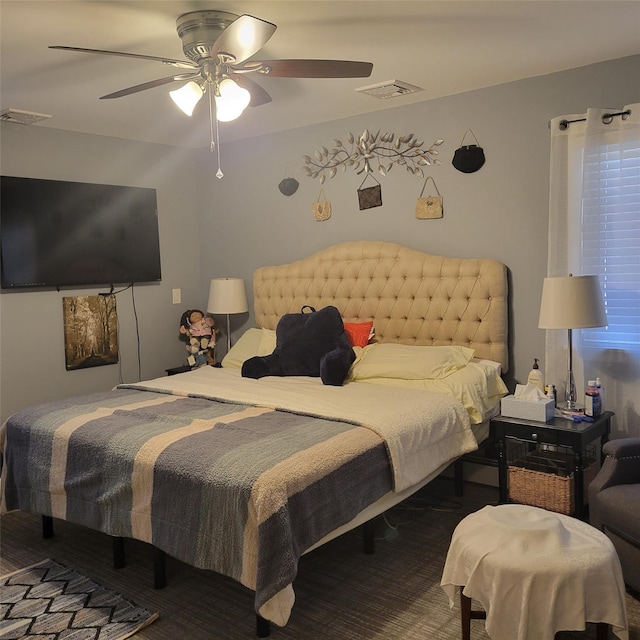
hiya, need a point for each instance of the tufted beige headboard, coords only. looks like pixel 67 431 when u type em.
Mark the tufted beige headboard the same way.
pixel 413 297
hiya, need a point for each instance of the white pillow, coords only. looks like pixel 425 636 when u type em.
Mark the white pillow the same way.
pixel 253 342
pixel 408 362
pixel 478 386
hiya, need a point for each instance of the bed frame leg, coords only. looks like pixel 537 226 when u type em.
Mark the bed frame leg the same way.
pixel 117 544
pixel 47 527
pixel 458 477
pixel 368 537
pixel 263 627
pixel 159 568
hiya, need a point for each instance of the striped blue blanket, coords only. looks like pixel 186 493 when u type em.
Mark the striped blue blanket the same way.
pixel 242 489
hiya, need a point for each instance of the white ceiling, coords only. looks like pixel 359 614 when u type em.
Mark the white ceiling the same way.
pixel 445 47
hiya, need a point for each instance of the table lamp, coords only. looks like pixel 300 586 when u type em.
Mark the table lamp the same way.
pixel 571 302
pixel 227 296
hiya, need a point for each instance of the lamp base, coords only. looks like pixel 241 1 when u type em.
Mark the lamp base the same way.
pixel 570 395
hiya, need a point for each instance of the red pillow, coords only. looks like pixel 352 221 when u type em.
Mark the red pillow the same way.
pixel 359 333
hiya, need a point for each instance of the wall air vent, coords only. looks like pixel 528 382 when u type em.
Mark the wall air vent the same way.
pixel 389 89
pixel 22 117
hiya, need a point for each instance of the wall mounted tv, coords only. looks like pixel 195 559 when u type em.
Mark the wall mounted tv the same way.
pixel 64 234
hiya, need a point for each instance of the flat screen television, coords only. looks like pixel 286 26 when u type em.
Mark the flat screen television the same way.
pixel 62 234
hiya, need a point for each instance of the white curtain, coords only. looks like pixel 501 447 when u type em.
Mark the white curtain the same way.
pixel 594 229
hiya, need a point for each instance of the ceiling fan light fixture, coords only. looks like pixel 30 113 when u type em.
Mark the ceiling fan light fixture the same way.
pixel 231 100
pixel 187 97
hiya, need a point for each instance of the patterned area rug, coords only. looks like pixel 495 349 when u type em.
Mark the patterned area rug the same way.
pixel 48 601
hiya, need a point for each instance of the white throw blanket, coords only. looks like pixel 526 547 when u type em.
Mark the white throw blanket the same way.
pixel 535 572
pixel 422 430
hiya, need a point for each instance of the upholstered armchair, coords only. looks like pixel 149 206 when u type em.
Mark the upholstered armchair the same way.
pixel 614 503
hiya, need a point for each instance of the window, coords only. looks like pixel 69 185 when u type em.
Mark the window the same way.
pixel 610 238
pixel 594 229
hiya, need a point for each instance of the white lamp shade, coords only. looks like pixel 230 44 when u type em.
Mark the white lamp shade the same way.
pixel 187 97
pixel 226 296
pixel 231 101
pixel 571 302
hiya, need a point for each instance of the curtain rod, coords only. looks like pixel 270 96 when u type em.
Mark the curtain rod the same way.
pixel 607 118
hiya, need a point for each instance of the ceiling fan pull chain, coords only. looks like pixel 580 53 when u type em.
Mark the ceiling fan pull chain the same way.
pixel 213 128
pixel 211 117
pixel 219 173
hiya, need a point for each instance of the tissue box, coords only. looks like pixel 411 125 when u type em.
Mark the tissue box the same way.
pixel 541 410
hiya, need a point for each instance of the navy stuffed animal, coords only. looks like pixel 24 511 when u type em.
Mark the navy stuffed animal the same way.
pixel 307 344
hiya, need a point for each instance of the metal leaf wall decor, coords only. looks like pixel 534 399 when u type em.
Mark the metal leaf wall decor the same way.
pixel 367 150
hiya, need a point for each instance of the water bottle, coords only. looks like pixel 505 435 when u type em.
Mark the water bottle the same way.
pixel 592 402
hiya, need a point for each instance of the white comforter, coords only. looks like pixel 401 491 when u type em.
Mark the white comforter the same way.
pixel 422 430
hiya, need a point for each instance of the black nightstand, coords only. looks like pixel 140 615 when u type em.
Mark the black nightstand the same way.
pixel 559 432
pixel 175 370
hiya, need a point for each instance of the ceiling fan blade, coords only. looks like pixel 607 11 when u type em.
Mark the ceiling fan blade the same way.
pixel 183 64
pixel 310 68
pixel 243 37
pixel 149 85
pixel 258 94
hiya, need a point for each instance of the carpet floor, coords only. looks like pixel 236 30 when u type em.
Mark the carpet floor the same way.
pixel 341 593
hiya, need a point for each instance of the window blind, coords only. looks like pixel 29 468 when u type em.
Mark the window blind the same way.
pixel 610 239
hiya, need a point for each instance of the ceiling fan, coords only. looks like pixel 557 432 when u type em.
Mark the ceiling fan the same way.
pixel 218 45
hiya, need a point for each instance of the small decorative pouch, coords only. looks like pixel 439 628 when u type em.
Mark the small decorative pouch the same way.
pixel 469 158
pixel 322 207
pixel 431 206
pixel 369 197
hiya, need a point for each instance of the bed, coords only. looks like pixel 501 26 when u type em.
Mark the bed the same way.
pixel 243 476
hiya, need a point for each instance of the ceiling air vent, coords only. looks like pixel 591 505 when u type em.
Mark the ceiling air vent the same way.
pixel 389 89
pixel 22 117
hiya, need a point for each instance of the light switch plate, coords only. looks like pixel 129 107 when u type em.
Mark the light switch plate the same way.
pixel 176 296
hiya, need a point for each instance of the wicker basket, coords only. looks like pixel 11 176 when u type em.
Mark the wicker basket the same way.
pixel 545 479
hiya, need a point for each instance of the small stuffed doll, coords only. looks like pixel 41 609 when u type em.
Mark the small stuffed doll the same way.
pixel 199 333
pixel 307 344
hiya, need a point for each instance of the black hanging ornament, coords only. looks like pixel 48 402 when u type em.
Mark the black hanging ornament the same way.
pixel 288 186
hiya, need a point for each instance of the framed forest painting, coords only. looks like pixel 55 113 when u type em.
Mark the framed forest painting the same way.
pixel 90 331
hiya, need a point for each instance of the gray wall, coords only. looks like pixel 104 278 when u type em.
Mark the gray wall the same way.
pixel 499 212
pixel 32 361
pixel 212 228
